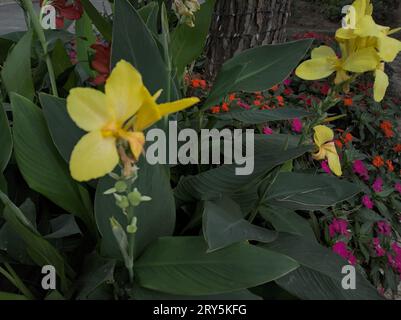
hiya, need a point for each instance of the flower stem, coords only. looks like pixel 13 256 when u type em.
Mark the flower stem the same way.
pixel 42 39
pixel 131 245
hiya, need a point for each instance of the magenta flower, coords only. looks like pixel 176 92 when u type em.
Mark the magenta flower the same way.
pixel 397 187
pixel 287 81
pixel 296 125
pixel 384 228
pixel 367 202
pixel 378 185
pixel 267 130
pixel 244 105
pixel 380 252
pixel 340 248
pixel 325 167
pixel 351 259
pixel 338 226
pixel 360 169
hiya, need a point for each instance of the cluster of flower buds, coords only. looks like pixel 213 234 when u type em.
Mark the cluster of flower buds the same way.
pixel 185 11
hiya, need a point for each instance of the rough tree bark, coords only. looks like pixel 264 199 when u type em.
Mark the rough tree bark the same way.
pixel 242 24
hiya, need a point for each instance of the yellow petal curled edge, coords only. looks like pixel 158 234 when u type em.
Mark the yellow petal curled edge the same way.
pixel 323 135
pixel 93 157
pixel 333 158
pixel 88 108
pixel 380 86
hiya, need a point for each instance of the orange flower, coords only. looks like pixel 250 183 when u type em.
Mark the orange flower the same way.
pixel 348 102
pixel 198 83
pixel 225 107
pixel 215 109
pixel 397 148
pixel 378 162
pixel 387 128
pixel 280 100
pixel 390 165
pixel 348 138
pixel 232 97
pixel 338 143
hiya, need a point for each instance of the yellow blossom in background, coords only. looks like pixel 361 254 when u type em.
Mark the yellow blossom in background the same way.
pixel 105 116
pixel 323 138
pixel 365 47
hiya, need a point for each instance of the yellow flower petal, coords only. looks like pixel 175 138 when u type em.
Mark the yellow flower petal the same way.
pixel 361 61
pixel 333 159
pixel 124 91
pixel 380 86
pixel 341 76
pixel 93 157
pixel 172 107
pixel 323 135
pixel 323 52
pixel 388 48
pixel 315 69
pixel 136 141
pixel 150 112
pixel 88 108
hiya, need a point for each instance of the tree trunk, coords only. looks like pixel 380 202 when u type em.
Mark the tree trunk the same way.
pixel 242 24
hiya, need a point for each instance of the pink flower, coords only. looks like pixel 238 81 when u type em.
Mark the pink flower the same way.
pixel 244 105
pixel 267 130
pixel 296 125
pixel 378 185
pixel 384 228
pixel 338 226
pixel 380 252
pixel 341 249
pixel 367 202
pixel 325 167
pixel 360 169
pixel 397 187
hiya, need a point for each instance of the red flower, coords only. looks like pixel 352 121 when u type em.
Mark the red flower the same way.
pixel 338 143
pixel 232 97
pixel 215 109
pixel 390 165
pixel 101 62
pixel 378 162
pixel 348 102
pixel 324 90
pixel 257 103
pixel 66 10
pixel 397 148
pixel 387 128
pixel 348 138
pixel 288 91
pixel 280 100
pixel 225 107
pixel 199 83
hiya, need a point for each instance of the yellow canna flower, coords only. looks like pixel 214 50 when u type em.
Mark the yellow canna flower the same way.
pixel 327 150
pixel 105 116
pixel 324 62
pixel 381 83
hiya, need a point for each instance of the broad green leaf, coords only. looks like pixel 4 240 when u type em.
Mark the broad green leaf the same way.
pixel 6 296
pixel 11 242
pixel 104 26
pixel 39 249
pixel 16 72
pixel 146 294
pixel 319 276
pixel 63 226
pixel 149 15
pixel 6 142
pixel 263 116
pixel 224 225
pixel 138 47
pixel 269 152
pixel 309 192
pixel 257 69
pixel 285 220
pixel 188 43
pixel 40 163
pixel 181 266
pixel 63 130
pixel 156 218
pixel 85 37
pixel 96 272
pixel 63 68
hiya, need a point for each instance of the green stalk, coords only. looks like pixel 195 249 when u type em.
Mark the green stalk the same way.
pixel 16 281
pixel 42 39
pixel 131 245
